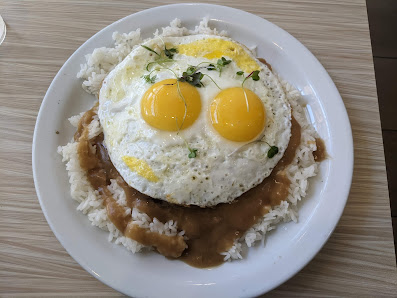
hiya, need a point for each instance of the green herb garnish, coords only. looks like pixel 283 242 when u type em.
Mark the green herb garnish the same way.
pixel 223 62
pixel 273 150
pixel 149 79
pixel 165 56
pixel 220 64
pixel 240 73
pixel 190 70
pixel 193 79
pixel 159 62
pixel 151 50
pixel 170 52
pixel 254 75
pixel 211 67
pixel 193 153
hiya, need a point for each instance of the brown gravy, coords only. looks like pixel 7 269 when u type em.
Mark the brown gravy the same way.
pixel 321 153
pixel 210 231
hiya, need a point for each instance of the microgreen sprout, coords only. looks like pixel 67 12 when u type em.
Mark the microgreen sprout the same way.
pixel 213 81
pixel 159 62
pixel 220 64
pixel 193 79
pixel 191 70
pixel 223 62
pixel 167 52
pixel 165 56
pixel 255 76
pixel 272 151
pixel 170 52
pixel 150 50
pixel 150 79
pixel 193 153
pixel 240 73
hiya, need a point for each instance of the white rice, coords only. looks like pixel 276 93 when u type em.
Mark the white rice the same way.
pixel 301 169
pixel 97 66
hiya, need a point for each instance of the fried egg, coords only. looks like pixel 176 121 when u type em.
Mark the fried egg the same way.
pixel 193 143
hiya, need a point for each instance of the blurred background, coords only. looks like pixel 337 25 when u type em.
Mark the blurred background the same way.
pixel 382 17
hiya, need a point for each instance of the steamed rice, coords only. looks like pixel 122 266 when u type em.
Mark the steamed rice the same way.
pixel 97 66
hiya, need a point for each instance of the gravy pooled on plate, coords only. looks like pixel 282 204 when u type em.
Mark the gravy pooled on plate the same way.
pixel 209 231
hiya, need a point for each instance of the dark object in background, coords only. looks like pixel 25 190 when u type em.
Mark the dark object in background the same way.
pixel 382 17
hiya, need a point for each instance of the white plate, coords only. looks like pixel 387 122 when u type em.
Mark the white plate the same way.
pixel 287 249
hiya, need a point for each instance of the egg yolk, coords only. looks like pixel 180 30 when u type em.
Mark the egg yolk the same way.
pixel 164 108
pixel 237 117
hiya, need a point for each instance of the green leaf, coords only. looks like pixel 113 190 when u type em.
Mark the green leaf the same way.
pixel 151 50
pixel 240 73
pixel 170 52
pixel 190 70
pixel 149 79
pixel 196 79
pixel 255 75
pixel 272 151
pixel 193 79
pixel 211 67
pixel 193 153
pixel 223 61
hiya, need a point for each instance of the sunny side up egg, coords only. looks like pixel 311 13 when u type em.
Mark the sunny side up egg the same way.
pixel 201 142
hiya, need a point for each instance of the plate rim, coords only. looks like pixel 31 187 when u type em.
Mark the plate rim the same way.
pixel 324 73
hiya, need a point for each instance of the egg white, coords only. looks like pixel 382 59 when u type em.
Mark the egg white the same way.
pixel 223 169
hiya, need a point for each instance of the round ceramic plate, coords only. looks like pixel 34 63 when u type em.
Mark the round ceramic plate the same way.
pixel 290 247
